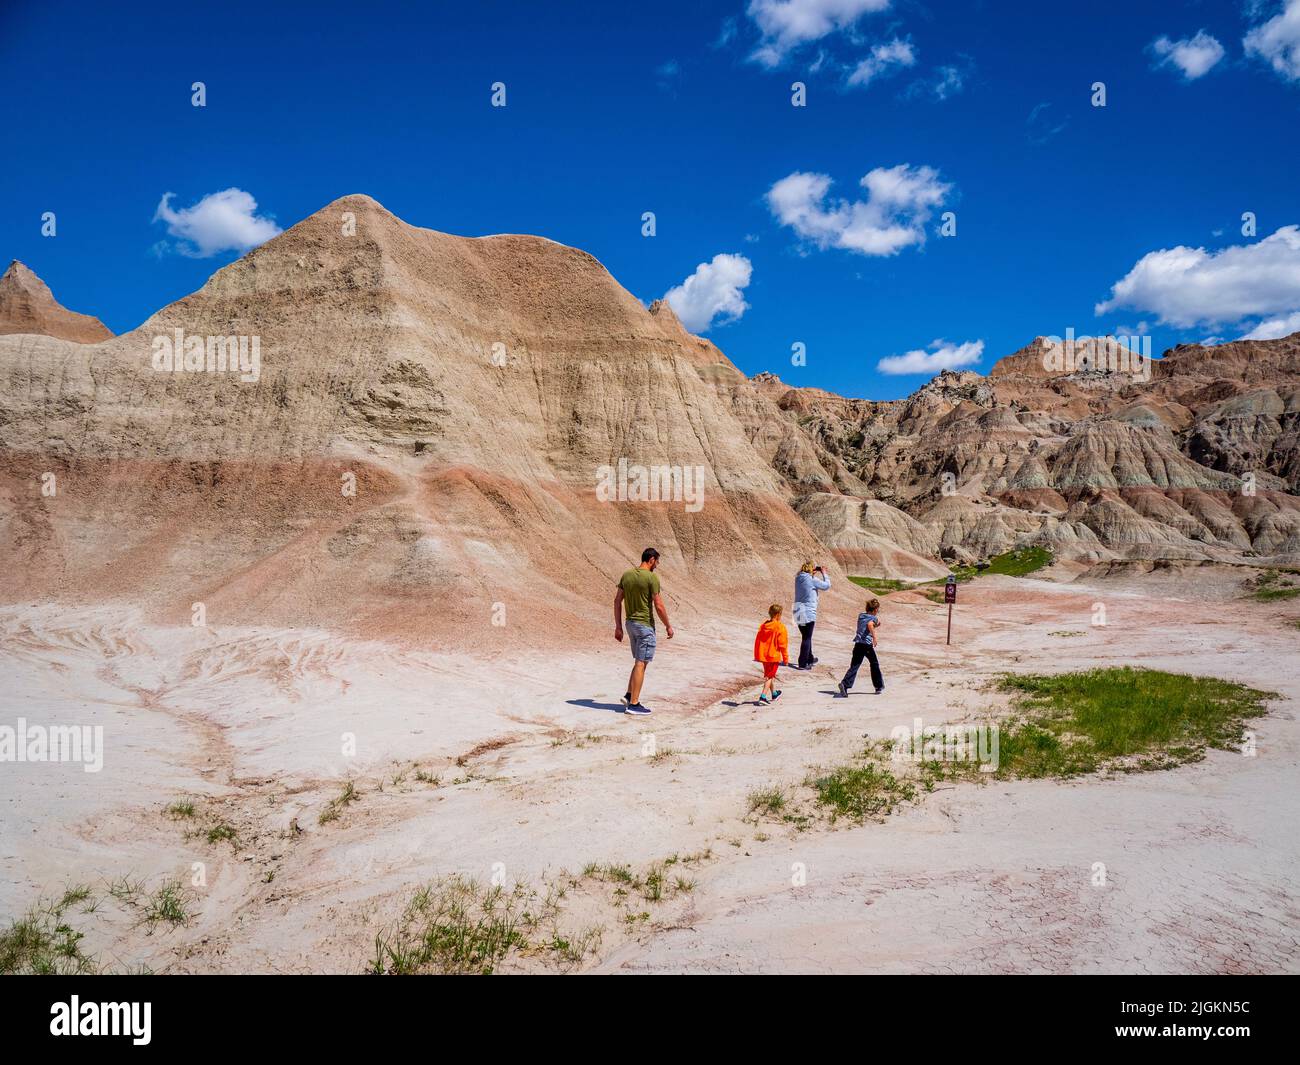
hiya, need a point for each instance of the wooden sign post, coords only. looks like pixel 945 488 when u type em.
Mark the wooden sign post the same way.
pixel 950 597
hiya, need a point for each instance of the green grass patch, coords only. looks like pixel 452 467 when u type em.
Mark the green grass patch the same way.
pixel 882 584
pixel 1018 563
pixel 1061 726
pixel 1272 595
pixel 1272 586
pixel 1074 723
pixel 42 943
pixel 861 791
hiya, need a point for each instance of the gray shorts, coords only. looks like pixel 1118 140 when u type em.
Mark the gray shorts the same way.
pixel 642 639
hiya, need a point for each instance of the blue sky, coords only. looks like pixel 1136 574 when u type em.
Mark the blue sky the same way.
pixel 684 109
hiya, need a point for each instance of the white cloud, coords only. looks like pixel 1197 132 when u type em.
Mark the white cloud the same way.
pixel 1185 286
pixel 942 82
pixel 221 221
pixel 899 202
pixel 714 291
pixel 941 356
pixel 949 82
pixel 1277 41
pixel 1272 328
pixel 787 24
pixel 1042 126
pixel 884 59
pixel 1139 330
pixel 1195 57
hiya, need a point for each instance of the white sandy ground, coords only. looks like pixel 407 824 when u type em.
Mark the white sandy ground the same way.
pixel 1201 861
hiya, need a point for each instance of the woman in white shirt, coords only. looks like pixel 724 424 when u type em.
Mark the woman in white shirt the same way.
pixel 810 580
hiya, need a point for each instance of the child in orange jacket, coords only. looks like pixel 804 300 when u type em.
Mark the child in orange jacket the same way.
pixel 771 648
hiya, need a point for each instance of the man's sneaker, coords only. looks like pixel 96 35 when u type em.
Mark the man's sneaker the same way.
pixel 880 689
pixel 637 708
pixel 776 695
pixel 844 692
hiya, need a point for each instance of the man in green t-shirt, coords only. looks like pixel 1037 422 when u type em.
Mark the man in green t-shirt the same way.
pixel 638 591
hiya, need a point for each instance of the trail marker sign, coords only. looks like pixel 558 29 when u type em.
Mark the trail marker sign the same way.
pixel 950 597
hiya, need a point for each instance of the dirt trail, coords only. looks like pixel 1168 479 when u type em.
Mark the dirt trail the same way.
pixel 536 772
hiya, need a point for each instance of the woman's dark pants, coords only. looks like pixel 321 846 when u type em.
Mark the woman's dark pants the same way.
pixel 805 645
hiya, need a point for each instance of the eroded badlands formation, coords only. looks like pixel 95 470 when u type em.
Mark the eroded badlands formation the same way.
pixel 423 437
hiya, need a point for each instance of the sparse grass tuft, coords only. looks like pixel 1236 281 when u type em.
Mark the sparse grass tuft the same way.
pixel 167 905
pixel 179 809
pixel 618 874
pixel 458 926
pixel 126 890
pixel 653 889
pixel 861 791
pixel 337 805
pixel 573 949
pixel 221 833
pixel 74 896
pixel 767 801
pixel 44 942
